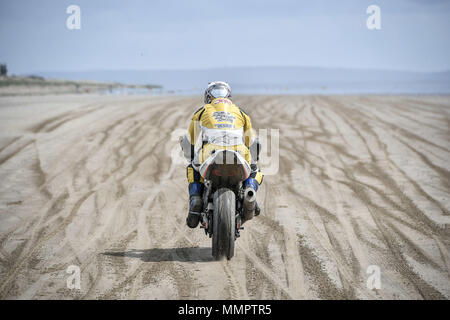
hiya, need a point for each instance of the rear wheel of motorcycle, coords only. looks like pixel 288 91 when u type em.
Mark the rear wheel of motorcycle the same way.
pixel 223 224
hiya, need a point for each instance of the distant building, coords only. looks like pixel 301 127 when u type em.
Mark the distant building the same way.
pixel 3 70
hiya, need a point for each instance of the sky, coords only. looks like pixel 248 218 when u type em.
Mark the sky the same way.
pixel 200 34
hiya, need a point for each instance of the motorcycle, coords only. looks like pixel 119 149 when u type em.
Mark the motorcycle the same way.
pixel 227 205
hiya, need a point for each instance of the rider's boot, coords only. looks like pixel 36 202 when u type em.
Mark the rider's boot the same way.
pixel 195 204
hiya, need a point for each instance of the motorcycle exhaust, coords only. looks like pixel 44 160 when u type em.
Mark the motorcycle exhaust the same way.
pixel 249 204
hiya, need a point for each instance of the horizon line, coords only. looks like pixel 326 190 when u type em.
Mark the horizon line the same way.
pixel 235 67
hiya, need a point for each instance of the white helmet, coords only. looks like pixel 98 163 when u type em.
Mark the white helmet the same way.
pixel 217 89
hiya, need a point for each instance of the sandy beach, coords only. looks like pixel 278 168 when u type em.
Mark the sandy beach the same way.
pixel 87 180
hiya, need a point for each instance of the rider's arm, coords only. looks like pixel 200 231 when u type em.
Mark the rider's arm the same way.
pixel 194 131
pixel 249 135
pixel 251 140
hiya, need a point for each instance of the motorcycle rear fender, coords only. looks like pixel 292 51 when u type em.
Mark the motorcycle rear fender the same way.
pixel 229 155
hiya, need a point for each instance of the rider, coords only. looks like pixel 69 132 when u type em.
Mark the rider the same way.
pixel 217 120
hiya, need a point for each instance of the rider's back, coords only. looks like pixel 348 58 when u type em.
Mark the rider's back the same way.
pixel 222 124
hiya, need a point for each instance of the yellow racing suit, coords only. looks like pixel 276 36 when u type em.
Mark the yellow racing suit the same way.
pixel 222 125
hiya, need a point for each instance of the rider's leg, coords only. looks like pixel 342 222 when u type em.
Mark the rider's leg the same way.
pixel 195 197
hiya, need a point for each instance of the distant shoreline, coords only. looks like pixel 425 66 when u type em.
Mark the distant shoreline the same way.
pixel 37 85
pixel 276 80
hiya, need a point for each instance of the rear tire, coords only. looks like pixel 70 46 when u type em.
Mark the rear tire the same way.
pixel 223 224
